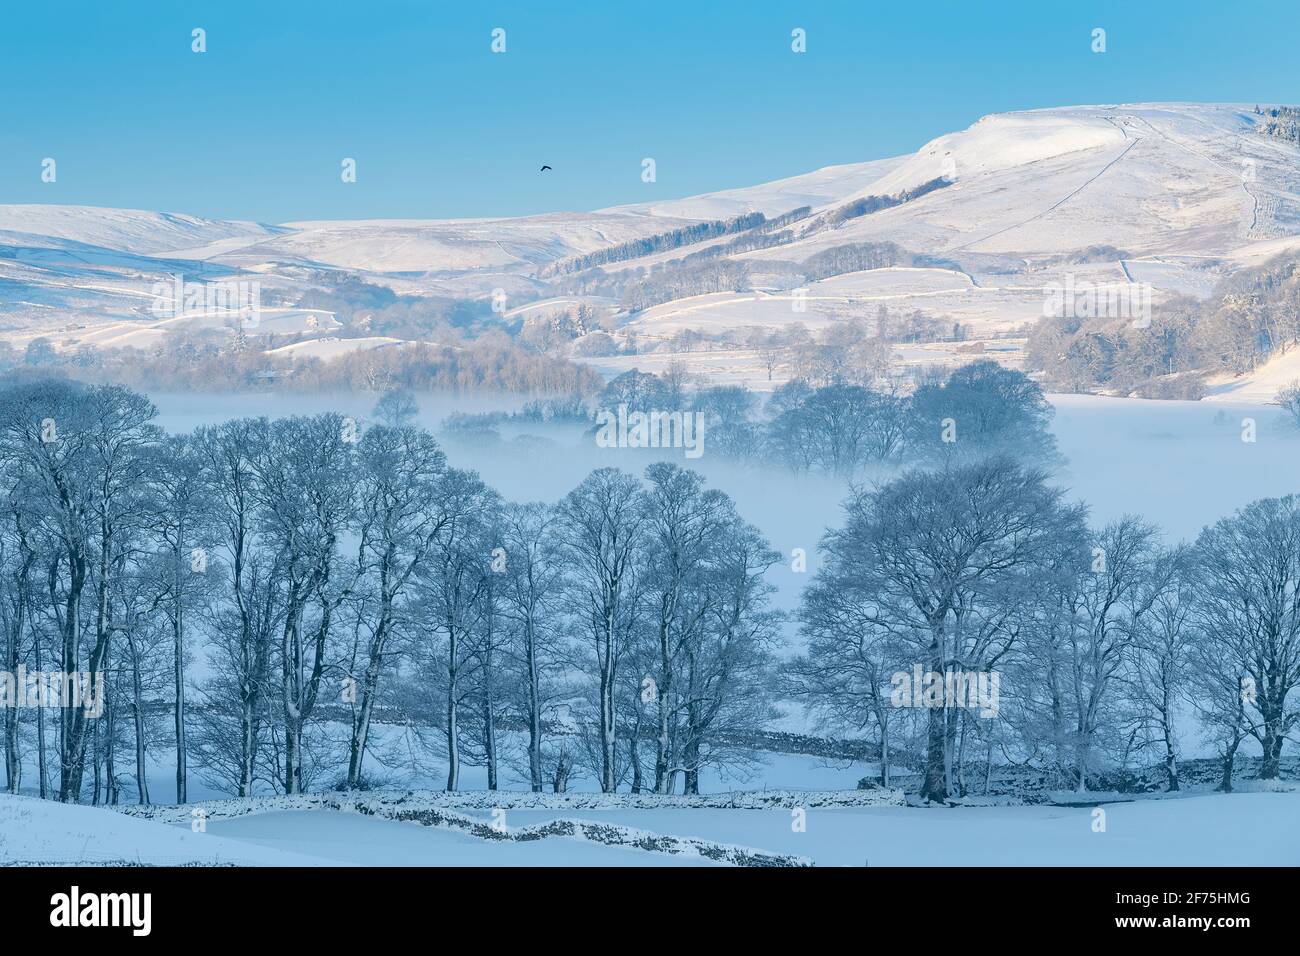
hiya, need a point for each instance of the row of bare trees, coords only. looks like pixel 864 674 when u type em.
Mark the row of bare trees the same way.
pixel 285 603
pixel 314 601
pixel 1109 646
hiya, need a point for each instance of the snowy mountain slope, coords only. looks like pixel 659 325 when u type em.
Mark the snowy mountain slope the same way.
pixel 388 246
pixel 1181 194
pixel 422 246
pixel 128 230
pixel 827 186
pixel 1261 386
pixel 1170 178
pixel 1147 178
pixel 458 245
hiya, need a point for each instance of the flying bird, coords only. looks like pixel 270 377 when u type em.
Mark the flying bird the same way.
pixel 544 169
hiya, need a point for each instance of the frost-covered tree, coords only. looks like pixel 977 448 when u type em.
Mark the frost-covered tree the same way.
pixel 179 518
pixel 981 409
pixel 306 487
pixel 1158 678
pixel 531 602
pixel 450 586
pixel 1103 611
pixel 402 500
pixel 602 533
pixel 78 457
pixel 1247 574
pixel 683 522
pixel 244 612
pixel 943 560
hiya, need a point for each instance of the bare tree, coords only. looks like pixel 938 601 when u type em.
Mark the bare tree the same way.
pixel 179 519
pixel 682 524
pixel 1104 611
pixel 948 555
pixel 401 498
pixel 17 561
pixel 450 583
pixel 242 633
pixel 602 532
pixel 727 671
pixel 532 589
pixel 1163 647
pixel 306 489
pixel 1248 585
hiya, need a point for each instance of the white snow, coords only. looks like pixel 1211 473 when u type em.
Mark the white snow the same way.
pixel 329 348
pixel 131 230
pixel 1246 829
pixel 1189 192
pixel 1260 386
pixel 368 841
pixel 1241 829
pixel 46 831
pixel 829 185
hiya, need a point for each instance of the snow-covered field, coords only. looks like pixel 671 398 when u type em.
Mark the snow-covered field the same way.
pixel 1238 829
pixel 1244 829
pixel 343 838
pixel 43 831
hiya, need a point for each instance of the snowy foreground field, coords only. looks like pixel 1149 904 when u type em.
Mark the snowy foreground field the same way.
pixel 1243 829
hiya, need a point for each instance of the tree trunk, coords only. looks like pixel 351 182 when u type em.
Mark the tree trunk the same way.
pixel 1229 758
pixel 561 780
pixel 935 785
pixel 453 734
pixel 137 696
pixel 607 731
pixel 178 648
pixel 361 727
pixel 691 746
pixel 1271 760
pixel 252 659
pixel 70 729
pixel 534 710
pixel 42 771
pixel 13 656
pixel 691 778
pixel 634 752
pixel 109 721
pixel 95 766
pixel 663 747
pixel 291 688
pixel 1171 763
pixel 490 739
pixel 884 752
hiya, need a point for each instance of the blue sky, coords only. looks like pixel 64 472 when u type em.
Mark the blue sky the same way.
pixel 256 127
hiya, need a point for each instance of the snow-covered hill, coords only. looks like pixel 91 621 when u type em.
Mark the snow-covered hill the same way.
pixel 1175 195
pixel 126 230
pixel 1173 178
pixel 1148 178
pixel 823 187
